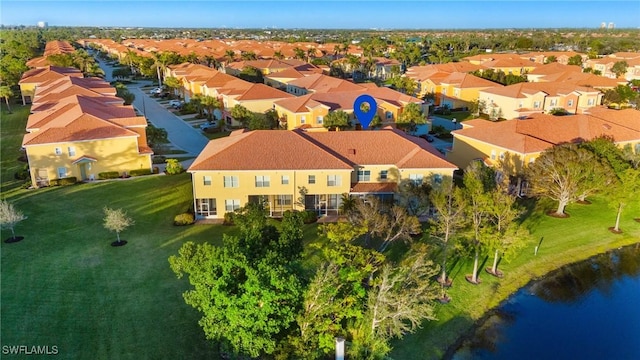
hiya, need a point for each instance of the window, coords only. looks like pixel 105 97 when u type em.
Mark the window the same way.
pixel 62 172
pixel 364 175
pixel 590 102
pixel 312 179
pixel 333 180
pixel 231 181
pixel 58 151
pixel 553 102
pixel 319 119
pixel 416 178
pixel 521 105
pixel 284 200
pixel 72 150
pixel 206 207
pixel 231 205
pixel 536 104
pixel 262 181
pixel 502 155
pixel 285 180
pixel 456 92
pixel 570 102
pixel 207 180
pixel 388 115
pixel 384 175
pixel 303 119
pixel 437 178
pixel 493 154
pixel 532 160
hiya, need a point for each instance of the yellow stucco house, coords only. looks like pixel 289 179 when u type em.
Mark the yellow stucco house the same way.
pixel 460 89
pixel 33 78
pixel 80 136
pixel 299 170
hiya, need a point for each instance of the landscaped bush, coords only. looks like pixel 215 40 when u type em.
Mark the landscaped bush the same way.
pixel 188 108
pixel 22 174
pixel 140 172
pixel 63 181
pixel 108 175
pixel 158 159
pixel 310 217
pixel 228 218
pixel 173 167
pixel 183 219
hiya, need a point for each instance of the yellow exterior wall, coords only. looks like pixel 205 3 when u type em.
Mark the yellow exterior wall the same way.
pixel 509 105
pixel 120 154
pixel 27 89
pixel 465 150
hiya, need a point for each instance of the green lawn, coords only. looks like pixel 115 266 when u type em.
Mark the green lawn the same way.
pixel 458 115
pixel 64 284
pixel 12 130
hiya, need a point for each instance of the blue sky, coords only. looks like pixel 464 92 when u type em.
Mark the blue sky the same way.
pixel 364 14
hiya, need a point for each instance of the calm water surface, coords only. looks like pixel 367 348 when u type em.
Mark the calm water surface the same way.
pixel 589 310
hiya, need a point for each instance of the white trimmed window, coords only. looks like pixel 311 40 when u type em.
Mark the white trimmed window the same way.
pixel 416 178
pixel 590 102
pixel 206 180
pixel 58 151
pixel 262 181
pixel 72 150
pixel 284 200
pixel 62 172
pixel 536 104
pixel 231 205
pixel 231 181
pixel 364 175
pixel 333 180
pixel 384 175
pixel 319 119
pixel 312 179
pixel 570 102
pixel 493 154
pixel 303 119
pixel 502 155
pixel 388 115
pixel 285 180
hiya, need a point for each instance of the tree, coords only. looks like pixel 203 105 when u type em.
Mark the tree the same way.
pixel 399 300
pixel 575 60
pixel 558 173
pixel 9 217
pixel 241 114
pixel 477 187
pixel 619 68
pixel 337 119
pixel 245 305
pixel 411 116
pixel 173 84
pixel 414 197
pixel 116 220
pixel 174 167
pixel 211 104
pixel 278 55
pixel 6 93
pixel 229 55
pixel 623 192
pixel 550 59
pixel 621 94
pixel 156 136
pixel 299 53
pixel 124 93
pixel 449 204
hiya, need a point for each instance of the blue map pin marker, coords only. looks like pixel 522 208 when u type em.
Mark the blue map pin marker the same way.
pixel 365 117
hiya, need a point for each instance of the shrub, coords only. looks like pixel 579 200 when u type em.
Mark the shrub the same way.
pixel 140 172
pixel 183 219
pixel 108 175
pixel 63 181
pixel 159 159
pixel 22 174
pixel 310 217
pixel 228 218
pixel 173 167
pixel 156 170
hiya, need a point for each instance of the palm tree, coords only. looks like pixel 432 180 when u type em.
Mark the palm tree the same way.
pixel 310 52
pixel 211 104
pixel 230 55
pixel 173 84
pixel 6 93
pixel 278 55
pixel 299 53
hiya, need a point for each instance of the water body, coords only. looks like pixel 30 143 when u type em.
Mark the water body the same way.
pixel 589 310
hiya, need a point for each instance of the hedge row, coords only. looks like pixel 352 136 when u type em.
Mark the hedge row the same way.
pixel 63 181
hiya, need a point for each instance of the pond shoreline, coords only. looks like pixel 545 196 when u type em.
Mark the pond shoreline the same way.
pixel 468 334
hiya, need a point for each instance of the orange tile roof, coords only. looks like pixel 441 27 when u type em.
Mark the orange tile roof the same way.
pixel 320 83
pixel 388 187
pixel 299 150
pixel 554 68
pixel 48 73
pixel 262 92
pixel 466 81
pixel 541 131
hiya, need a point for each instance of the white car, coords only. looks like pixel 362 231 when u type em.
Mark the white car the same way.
pixel 176 104
pixel 155 91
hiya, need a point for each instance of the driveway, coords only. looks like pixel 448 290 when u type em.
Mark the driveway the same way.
pixel 180 134
pixel 444 122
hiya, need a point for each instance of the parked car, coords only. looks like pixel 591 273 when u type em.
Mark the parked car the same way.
pixel 208 125
pixel 155 91
pixel 429 138
pixel 176 104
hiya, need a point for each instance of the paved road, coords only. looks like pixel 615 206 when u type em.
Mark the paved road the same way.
pixel 444 122
pixel 181 134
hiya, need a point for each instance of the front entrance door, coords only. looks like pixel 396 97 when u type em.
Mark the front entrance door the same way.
pixel 83 171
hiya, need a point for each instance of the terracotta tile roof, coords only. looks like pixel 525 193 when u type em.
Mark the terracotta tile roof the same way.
pixel 388 187
pixel 344 100
pixel 554 68
pixel 48 73
pixel 320 83
pixel 589 80
pixel 289 73
pixel 265 150
pixel 519 90
pixel 629 118
pixel 466 81
pixel 382 147
pixel 540 131
pixel 262 92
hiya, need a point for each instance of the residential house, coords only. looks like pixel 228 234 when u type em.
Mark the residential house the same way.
pixel 460 90
pixel 298 170
pixel 320 83
pixel 510 145
pixel 428 77
pixel 31 79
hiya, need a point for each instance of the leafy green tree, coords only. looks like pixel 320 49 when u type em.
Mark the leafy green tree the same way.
pixel 575 60
pixel 411 116
pixel 621 94
pixel 156 136
pixel 550 59
pixel 248 55
pixel 624 191
pixel 252 74
pixel 299 53
pixel 173 84
pixel 245 305
pixel 124 93
pixel 558 173
pixel 337 119
pixel 6 94
pixel 174 167
pixel 605 148
pixel 619 68
pixel 241 114
pixel 211 104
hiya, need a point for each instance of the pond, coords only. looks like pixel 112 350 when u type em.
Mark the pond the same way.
pixel 588 310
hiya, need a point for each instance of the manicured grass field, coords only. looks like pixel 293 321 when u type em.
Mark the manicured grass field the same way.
pixel 65 285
